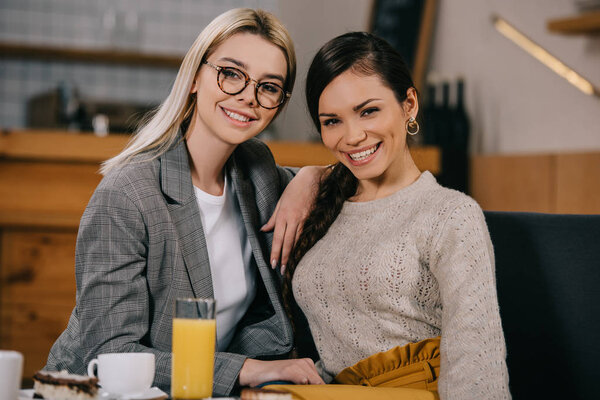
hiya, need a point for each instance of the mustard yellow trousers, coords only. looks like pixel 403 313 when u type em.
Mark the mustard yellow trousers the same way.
pixel 415 366
pixel 404 372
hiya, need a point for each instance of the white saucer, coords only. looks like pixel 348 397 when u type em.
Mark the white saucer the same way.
pixel 25 394
pixel 150 394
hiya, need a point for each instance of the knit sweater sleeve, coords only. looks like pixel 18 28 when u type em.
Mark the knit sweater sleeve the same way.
pixel 473 351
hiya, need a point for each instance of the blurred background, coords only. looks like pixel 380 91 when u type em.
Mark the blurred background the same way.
pixel 76 75
pixel 515 103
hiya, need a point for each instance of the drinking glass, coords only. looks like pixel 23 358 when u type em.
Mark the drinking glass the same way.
pixel 194 341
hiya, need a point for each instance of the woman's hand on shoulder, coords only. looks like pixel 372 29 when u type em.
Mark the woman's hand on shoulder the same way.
pixel 291 211
pixel 301 371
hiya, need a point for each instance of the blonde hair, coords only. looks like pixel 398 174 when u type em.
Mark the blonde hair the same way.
pixel 160 131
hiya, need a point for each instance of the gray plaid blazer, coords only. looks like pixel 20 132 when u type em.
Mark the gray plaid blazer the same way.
pixel 141 245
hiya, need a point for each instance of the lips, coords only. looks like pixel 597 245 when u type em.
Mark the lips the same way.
pixel 237 116
pixel 364 155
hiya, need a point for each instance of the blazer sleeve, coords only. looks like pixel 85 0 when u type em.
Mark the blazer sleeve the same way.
pixel 473 351
pixel 113 301
pixel 286 174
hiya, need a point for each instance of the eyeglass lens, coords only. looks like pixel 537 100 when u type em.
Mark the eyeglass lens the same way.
pixel 233 81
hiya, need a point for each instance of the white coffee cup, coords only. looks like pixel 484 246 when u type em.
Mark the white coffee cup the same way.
pixel 124 373
pixel 11 370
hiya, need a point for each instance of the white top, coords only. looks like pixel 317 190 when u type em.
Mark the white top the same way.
pixel 229 253
pixel 401 269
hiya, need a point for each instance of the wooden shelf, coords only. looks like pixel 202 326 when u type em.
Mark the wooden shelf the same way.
pixel 96 56
pixel 61 146
pixel 586 23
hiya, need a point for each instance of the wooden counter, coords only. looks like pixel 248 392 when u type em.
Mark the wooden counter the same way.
pixel 46 180
pixel 61 169
pixel 563 183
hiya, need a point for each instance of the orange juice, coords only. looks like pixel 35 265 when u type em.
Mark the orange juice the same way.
pixel 193 358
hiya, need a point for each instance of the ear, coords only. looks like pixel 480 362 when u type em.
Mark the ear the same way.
pixel 411 104
pixel 194 88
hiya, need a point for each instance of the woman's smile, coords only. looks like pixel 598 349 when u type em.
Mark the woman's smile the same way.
pixel 364 155
pixel 238 118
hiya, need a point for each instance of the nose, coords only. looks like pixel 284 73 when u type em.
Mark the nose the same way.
pixel 248 95
pixel 355 135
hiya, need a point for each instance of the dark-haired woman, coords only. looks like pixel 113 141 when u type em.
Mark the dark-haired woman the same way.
pixel 389 260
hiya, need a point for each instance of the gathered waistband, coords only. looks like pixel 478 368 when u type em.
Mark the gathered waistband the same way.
pixel 415 365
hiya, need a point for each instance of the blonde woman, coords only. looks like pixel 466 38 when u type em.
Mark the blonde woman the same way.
pixel 184 211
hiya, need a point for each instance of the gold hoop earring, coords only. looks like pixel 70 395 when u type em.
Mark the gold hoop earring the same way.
pixel 412 126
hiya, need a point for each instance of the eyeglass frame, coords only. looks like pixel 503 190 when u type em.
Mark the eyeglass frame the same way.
pixel 219 69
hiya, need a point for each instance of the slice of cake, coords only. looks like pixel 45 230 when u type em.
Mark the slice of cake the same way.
pixel 265 394
pixel 64 386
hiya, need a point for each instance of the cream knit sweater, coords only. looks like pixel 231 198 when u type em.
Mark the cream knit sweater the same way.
pixel 404 268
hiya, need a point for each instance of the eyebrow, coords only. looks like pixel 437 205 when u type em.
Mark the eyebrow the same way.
pixel 364 103
pixel 242 65
pixel 355 108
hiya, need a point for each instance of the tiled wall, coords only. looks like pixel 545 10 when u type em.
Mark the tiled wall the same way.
pixel 155 26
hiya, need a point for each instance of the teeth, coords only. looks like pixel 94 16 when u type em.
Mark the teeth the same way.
pixel 363 154
pixel 236 116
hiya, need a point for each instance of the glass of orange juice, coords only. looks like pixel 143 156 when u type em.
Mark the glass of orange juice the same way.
pixel 194 341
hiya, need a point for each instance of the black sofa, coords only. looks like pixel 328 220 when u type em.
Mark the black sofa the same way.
pixel 548 279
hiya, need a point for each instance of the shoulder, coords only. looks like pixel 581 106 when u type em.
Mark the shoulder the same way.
pixel 445 203
pixel 132 181
pixel 254 159
pixel 254 151
pixel 264 181
pixel 457 230
pixel 447 214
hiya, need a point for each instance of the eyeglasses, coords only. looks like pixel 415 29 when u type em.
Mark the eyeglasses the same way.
pixel 232 81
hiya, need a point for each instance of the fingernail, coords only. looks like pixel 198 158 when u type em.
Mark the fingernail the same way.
pixel 273 263
pixel 282 269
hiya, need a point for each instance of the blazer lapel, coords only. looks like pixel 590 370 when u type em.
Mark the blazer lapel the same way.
pixel 176 184
pixel 246 197
pixel 275 332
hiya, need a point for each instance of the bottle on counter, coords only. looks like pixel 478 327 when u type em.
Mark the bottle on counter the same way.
pixel 430 118
pixel 461 130
pixel 461 126
pixel 72 111
pixel 453 139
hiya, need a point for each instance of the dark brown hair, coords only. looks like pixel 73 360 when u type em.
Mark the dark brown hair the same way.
pixel 365 54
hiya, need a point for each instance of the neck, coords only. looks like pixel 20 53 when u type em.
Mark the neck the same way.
pixel 208 155
pixel 399 175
